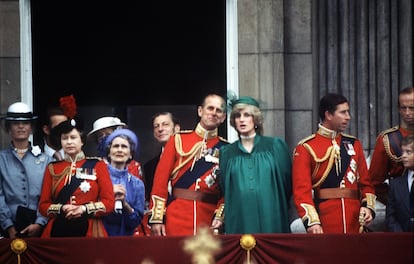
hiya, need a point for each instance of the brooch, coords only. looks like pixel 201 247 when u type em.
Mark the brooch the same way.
pixel 85 186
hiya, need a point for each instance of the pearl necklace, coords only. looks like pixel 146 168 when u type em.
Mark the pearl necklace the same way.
pixel 248 137
pixel 21 151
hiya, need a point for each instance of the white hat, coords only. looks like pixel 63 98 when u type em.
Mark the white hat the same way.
pixel 104 122
pixel 19 112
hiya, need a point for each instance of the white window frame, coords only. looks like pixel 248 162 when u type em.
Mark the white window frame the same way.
pixel 232 60
pixel 26 79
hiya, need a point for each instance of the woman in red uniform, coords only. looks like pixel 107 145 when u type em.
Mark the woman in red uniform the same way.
pixel 77 191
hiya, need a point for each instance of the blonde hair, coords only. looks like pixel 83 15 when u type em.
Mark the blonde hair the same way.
pixel 251 109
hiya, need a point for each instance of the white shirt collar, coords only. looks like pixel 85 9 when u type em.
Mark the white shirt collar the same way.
pixel 410 178
pixel 48 150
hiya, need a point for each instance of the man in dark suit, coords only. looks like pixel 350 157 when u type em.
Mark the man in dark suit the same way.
pixel 400 203
pixel 164 125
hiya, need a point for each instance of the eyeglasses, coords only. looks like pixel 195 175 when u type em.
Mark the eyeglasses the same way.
pixel 405 108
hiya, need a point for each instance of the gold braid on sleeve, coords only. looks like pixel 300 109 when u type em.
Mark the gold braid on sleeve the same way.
pixel 54 209
pixel 157 211
pixel 92 208
pixel 219 213
pixel 311 215
pixel 370 201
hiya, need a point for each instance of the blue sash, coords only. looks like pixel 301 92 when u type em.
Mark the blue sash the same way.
pixel 201 166
pixel 67 191
pixel 333 180
pixel 395 142
pixel 189 177
pixel 77 227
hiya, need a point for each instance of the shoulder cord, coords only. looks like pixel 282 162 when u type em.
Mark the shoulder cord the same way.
pixel 57 178
pixel 330 153
pixel 387 148
pixel 187 155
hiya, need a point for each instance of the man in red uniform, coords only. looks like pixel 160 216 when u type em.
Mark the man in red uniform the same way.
pixel 190 163
pixel 386 158
pixel 331 186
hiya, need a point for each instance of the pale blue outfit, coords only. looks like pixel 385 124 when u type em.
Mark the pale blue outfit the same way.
pixel 125 224
pixel 21 183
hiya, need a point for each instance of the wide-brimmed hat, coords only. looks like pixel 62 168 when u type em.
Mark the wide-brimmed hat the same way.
pixel 19 112
pixel 104 122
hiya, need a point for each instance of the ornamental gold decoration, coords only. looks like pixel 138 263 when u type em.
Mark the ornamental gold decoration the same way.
pixel 202 246
pixel 18 246
pixel 247 242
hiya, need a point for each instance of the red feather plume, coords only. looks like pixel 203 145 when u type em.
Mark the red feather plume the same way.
pixel 68 104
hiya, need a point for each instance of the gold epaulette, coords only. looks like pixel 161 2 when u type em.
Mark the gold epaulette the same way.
pixel 347 135
pixel 306 139
pixel 389 130
pixel 387 145
pixel 184 131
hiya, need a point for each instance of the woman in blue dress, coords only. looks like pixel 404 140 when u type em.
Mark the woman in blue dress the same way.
pixel 128 189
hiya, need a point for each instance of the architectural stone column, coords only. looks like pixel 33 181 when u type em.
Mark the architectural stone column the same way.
pixel 261 62
pixel 363 49
pixel 9 59
pixel 275 63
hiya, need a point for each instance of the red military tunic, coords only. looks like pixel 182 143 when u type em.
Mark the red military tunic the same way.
pixel 184 215
pixel 313 159
pixel 134 167
pixel 97 194
pixel 385 163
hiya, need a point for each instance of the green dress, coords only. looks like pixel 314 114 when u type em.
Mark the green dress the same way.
pixel 257 186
